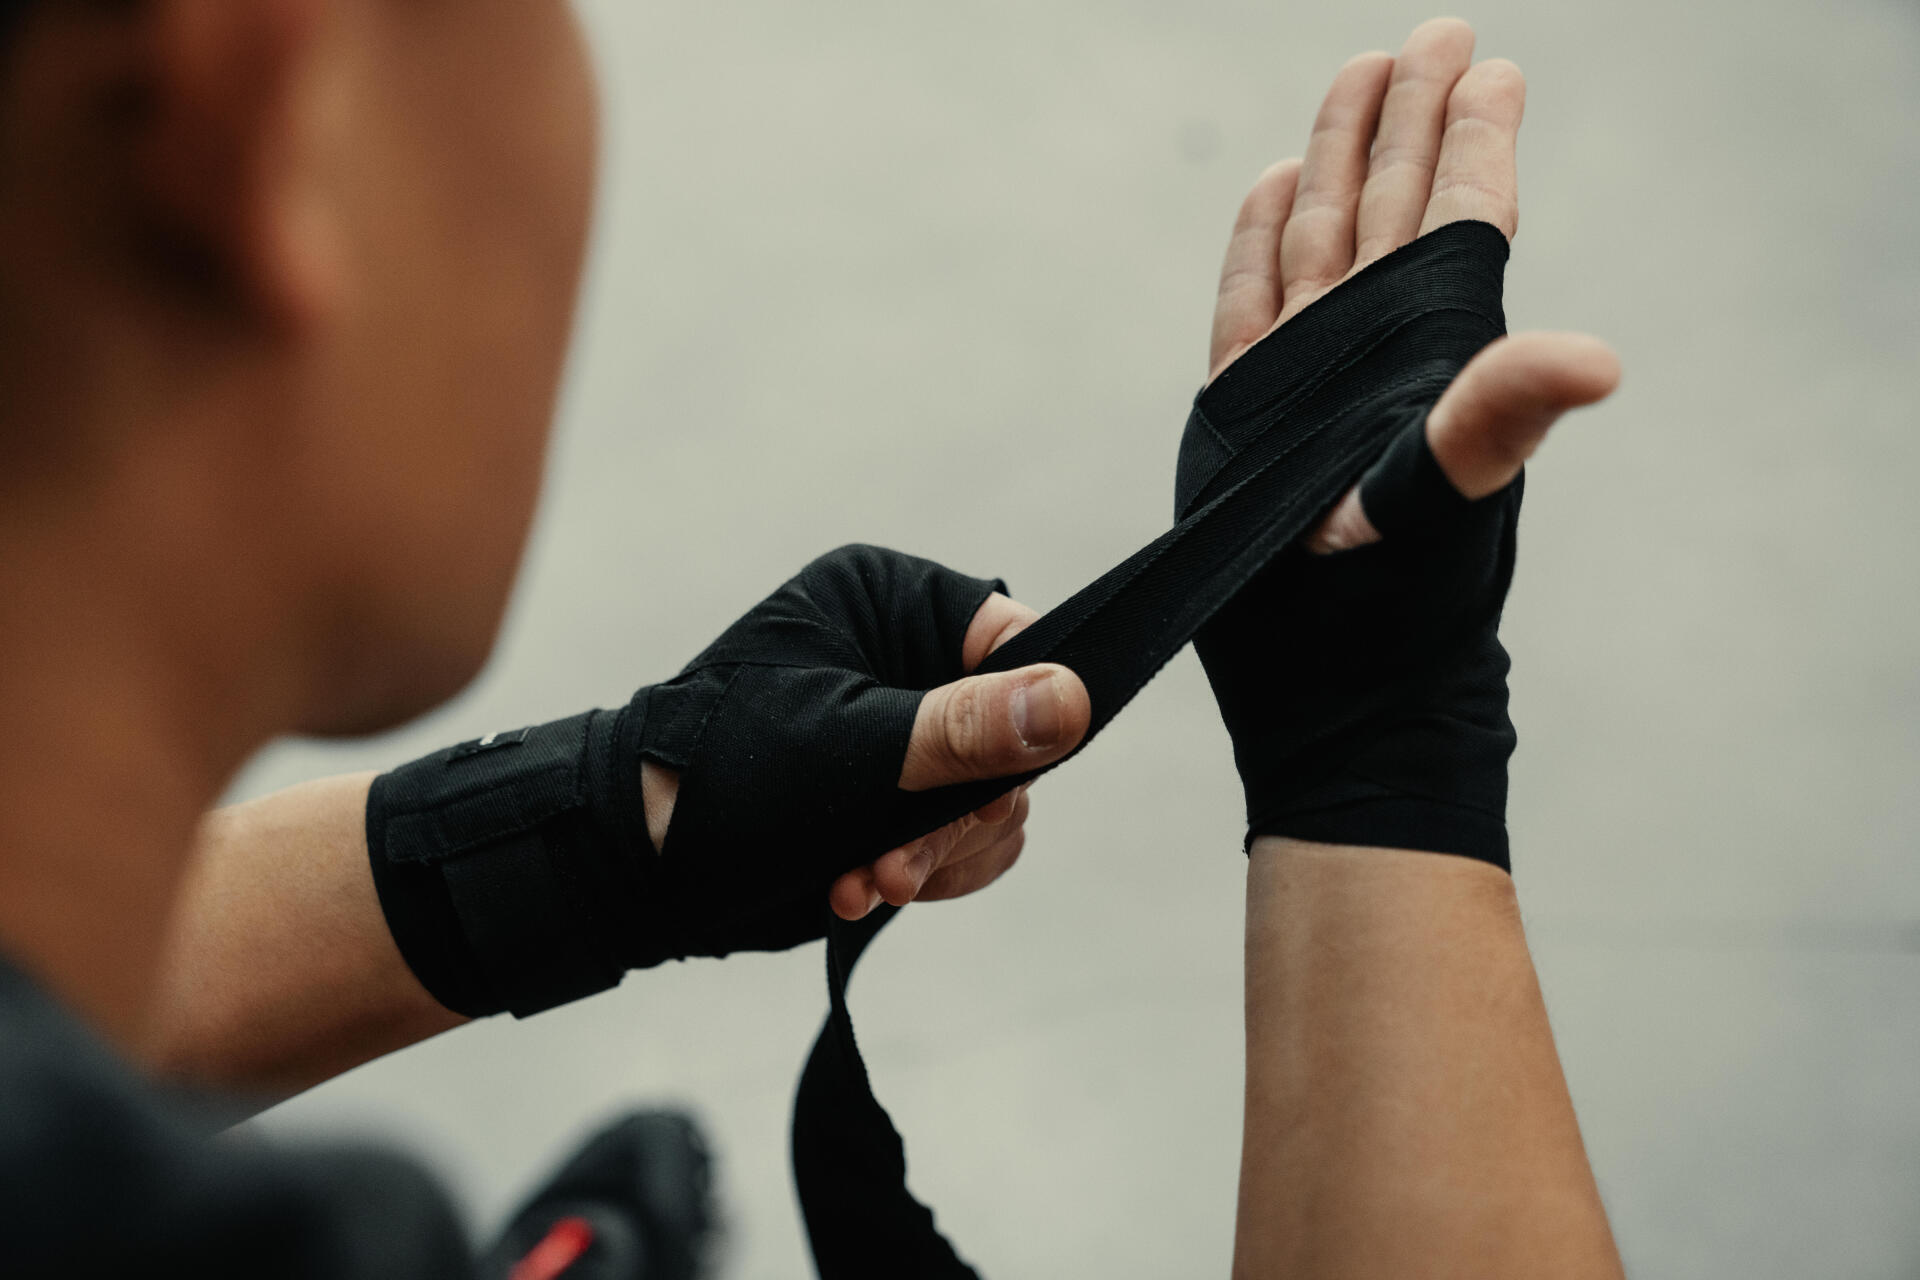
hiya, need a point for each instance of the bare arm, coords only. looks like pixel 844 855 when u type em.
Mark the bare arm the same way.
pixel 1406 1113
pixel 279 970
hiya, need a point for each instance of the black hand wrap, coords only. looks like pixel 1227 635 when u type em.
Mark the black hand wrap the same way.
pixel 1273 443
pixel 516 872
pixel 1365 691
pixel 1270 447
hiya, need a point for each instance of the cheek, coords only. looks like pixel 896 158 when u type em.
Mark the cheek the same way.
pixel 514 160
pixel 469 187
pixel 530 156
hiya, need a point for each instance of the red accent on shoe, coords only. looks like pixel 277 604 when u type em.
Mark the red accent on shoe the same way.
pixel 562 1246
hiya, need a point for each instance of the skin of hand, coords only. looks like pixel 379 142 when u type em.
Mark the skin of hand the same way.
pixel 1403 146
pixel 979 727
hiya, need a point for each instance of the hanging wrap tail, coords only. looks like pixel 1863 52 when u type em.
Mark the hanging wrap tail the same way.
pixel 1270 445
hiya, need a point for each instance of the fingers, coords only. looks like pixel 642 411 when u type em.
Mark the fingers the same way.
pixel 995 725
pixel 1407 149
pixel 1475 175
pixel 899 873
pixel 853 895
pixel 1249 299
pixel 960 879
pixel 1400 146
pixel 904 875
pixel 1494 415
pixel 901 876
pixel 961 733
pixel 1316 248
pixel 994 623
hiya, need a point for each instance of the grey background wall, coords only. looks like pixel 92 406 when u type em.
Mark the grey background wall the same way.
pixel 939 276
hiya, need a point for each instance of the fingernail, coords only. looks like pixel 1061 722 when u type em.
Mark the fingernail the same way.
pixel 1037 712
pixel 919 867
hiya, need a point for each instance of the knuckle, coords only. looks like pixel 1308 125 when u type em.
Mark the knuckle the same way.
pixel 1477 189
pixel 933 847
pixel 996 812
pixel 1019 614
pixel 1509 448
pixel 949 837
pixel 1389 156
pixel 964 735
pixel 1492 87
pixel 930 850
pixel 1266 201
pixel 1245 280
pixel 1308 287
pixel 1468 134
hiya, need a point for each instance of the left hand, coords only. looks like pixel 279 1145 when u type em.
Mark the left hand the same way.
pixel 979 727
pixel 1366 692
pixel 1403 146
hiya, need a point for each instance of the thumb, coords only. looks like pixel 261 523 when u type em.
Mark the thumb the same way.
pixel 1496 412
pixel 996 725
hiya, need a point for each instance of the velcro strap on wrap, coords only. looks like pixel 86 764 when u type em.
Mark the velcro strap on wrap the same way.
pixel 484 915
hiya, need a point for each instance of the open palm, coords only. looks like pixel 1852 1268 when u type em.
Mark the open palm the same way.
pixel 1401 146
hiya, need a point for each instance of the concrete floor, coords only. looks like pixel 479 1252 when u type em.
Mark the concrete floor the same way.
pixel 939 276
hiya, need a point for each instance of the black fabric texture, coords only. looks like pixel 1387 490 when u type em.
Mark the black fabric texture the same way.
pixel 790 730
pixel 1365 691
pixel 506 866
pixel 1270 446
pixel 789 733
pixel 516 873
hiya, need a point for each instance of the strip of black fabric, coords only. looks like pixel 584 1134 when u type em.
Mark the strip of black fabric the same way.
pixel 1272 443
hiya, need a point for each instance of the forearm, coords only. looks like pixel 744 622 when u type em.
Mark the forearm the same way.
pixel 1406 1113
pixel 280 971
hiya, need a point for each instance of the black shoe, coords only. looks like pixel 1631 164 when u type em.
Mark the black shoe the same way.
pixel 635 1203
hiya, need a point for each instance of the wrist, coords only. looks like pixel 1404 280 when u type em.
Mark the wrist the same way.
pixel 659 789
pixel 1366 815
pixel 504 865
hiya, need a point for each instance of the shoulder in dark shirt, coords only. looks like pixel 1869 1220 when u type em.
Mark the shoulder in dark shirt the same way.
pixel 101 1175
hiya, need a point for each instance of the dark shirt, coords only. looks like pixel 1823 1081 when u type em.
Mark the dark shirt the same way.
pixel 101 1174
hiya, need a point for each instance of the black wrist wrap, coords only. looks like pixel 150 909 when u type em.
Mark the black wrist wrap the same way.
pixel 516 872
pixel 507 866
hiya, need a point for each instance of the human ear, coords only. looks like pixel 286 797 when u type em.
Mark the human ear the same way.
pixel 229 151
